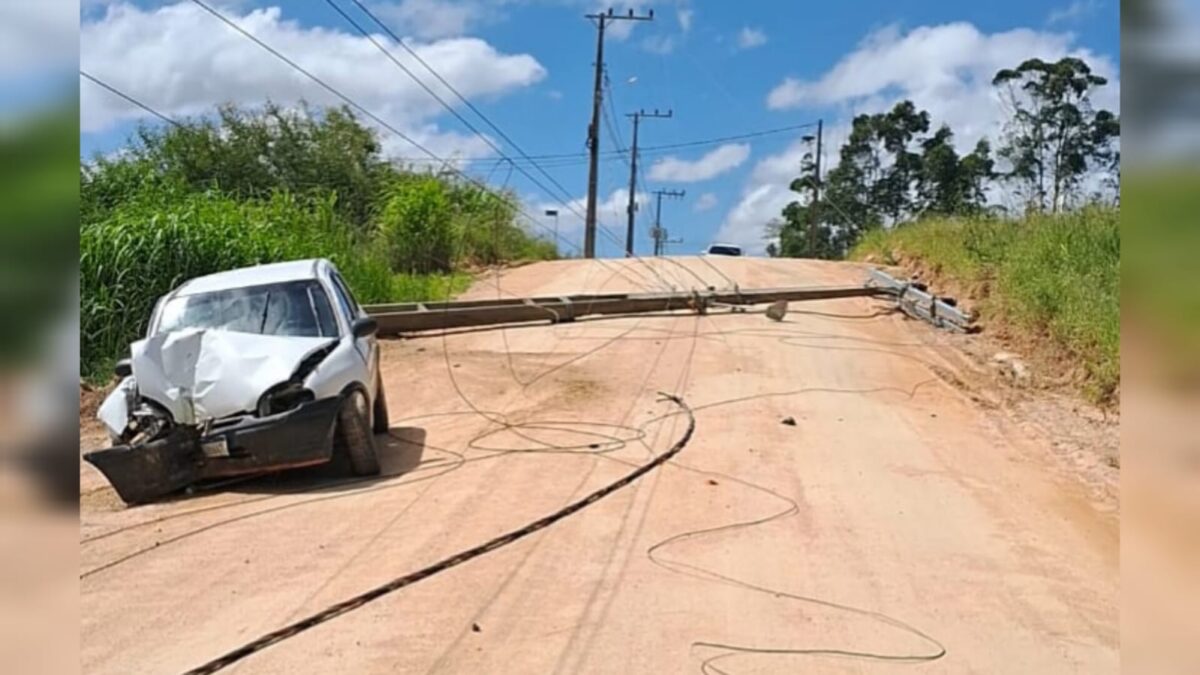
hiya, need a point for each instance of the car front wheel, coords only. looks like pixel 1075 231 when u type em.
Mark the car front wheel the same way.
pixel 354 435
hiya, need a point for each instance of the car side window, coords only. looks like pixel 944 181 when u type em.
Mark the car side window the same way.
pixel 345 300
pixel 320 304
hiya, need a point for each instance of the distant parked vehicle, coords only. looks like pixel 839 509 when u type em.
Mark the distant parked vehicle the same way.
pixel 723 249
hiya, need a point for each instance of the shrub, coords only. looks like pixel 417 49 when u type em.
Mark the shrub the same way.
pixel 416 226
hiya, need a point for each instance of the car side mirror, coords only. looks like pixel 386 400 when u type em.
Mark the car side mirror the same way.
pixel 123 368
pixel 364 327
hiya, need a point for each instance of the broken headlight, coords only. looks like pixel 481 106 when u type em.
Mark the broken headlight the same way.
pixel 283 397
pixel 147 422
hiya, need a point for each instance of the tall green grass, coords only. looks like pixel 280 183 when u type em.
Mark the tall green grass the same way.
pixel 1052 277
pixel 148 246
pixel 249 186
pixel 430 224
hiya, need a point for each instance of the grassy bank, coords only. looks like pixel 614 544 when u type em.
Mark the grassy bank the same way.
pixel 1053 281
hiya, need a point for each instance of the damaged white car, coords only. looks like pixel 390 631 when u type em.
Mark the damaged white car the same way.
pixel 245 371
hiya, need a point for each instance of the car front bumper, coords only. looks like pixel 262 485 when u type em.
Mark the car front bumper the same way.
pixel 298 437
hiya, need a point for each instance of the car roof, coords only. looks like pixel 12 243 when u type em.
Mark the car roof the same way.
pixel 258 275
pixel 715 244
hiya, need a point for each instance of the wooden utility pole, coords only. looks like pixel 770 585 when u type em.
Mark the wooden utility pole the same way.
pixel 659 233
pixel 589 225
pixel 633 158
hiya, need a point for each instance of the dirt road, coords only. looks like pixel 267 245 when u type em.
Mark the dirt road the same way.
pixel 900 516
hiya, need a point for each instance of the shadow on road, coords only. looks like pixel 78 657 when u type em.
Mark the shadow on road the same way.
pixel 400 450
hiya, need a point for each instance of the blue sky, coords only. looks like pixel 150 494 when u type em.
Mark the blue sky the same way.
pixel 724 68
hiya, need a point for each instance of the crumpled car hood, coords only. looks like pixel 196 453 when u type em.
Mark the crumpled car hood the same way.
pixel 202 374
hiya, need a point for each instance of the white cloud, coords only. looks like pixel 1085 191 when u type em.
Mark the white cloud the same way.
pixel 745 223
pixel 944 69
pixel 37 37
pixel 429 18
pixel 705 202
pixel 620 30
pixel 181 61
pixel 749 38
pixel 763 198
pixel 685 15
pixel 610 212
pixel 659 44
pixel 1073 12
pixel 674 170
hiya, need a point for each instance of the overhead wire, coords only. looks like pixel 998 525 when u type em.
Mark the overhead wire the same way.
pixel 563 192
pixel 626 154
pixel 376 118
pixel 647 149
pixel 563 196
pixel 104 85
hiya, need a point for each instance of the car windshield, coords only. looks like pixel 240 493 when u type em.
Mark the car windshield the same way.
pixel 724 250
pixel 295 308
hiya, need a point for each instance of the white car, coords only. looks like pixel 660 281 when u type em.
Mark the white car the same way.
pixel 255 369
pixel 723 249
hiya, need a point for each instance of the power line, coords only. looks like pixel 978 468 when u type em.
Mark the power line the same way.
pixel 363 31
pixel 649 148
pixel 625 155
pixel 564 197
pixel 324 85
pixel 333 90
pixel 97 81
pixel 565 194
pixel 724 139
pixel 386 125
pixel 610 116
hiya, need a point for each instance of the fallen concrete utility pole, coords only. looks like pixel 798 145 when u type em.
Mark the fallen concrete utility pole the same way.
pixel 396 319
pixel 919 303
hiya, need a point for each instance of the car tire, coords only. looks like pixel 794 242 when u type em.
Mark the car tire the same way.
pixel 379 419
pixel 354 436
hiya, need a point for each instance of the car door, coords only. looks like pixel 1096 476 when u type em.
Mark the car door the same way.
pixel 366 347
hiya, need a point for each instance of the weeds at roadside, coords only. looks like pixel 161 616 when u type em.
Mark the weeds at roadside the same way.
pixel 1054 278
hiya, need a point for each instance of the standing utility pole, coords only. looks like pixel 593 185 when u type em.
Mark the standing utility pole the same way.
pixel 633 157
pixel 660 234
pixel 589 225
pixel 812 211
pixel 554 212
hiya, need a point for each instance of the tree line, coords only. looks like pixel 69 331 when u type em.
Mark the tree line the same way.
pixel 1056 150
pixel 425 221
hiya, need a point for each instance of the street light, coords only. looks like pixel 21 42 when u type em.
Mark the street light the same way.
pixel 554 212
